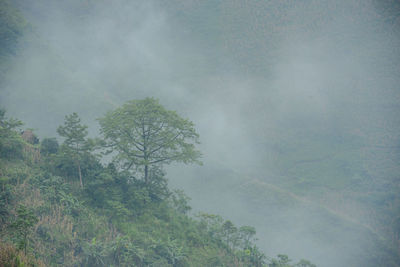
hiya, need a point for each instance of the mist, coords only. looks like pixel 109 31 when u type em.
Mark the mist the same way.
pixel 296 104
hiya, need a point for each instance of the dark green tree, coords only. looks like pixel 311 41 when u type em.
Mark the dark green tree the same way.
pixel 246 236
pixel 22 225
pixel 5 196
pixel 49 146
pixel 11 142
pixel 75 144
pixel 229 231
pixel 144 134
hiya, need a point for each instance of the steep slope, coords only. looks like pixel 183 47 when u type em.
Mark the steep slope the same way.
pixel 115 220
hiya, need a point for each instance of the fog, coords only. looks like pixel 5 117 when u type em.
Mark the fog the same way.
pixel 296 104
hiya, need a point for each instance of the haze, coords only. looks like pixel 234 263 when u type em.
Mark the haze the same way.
pixel 296 102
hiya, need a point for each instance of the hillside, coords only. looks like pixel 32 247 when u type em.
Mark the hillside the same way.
pixel 296 104
pixel 12 27
pixel 114 219
pixel 280 214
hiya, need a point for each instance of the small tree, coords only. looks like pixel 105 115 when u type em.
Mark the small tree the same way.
pixel 11 142
pixel 23 225
pixel 75 144
pixel 282 261
pixel 180 201
pixel 246 235
pixel 49 146
pixel 144 134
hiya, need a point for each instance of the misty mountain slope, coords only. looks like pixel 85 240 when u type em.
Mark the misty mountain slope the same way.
pixel 347 173
pixel 289 221
pixel 48 218
pixel 301 96
pixel 12 27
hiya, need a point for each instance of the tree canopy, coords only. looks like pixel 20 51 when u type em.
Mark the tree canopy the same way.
pixel 10 141
pixel 145 136
pixel 75 143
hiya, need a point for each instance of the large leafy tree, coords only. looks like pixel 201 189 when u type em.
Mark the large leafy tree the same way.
pixel 75 144
pixel 145 136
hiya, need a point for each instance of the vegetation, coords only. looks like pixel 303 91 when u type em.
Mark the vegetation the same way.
pixel 335 171
pixel 10 142
pixel 22 226
pixel 116 219
pixel 75 145
pixel 146 135
pixel 11 257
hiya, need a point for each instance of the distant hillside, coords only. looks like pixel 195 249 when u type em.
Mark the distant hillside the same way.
pixel 12 27
pixel 280 215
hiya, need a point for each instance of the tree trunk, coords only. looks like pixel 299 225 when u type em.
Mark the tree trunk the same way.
pixel 146 173
pixel 80 173
pixel 25 241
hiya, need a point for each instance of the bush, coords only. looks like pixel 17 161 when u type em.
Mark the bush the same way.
pixel 49 146
pixel 11 143
pixel 11 257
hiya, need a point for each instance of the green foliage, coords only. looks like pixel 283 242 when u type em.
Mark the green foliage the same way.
pixel 11 257
pixel 76 146
pixel 116 220
pixel 246 235
pixel 93 253
pixel 171 251
pixel 11 143
pixel 237 240
pixel 281 261
pixel 5 198
pixel 284 261
pixel 24 221
pixel 123 252
pixel 74 133
pixel 49 146
pixel 145 135
pixel 180 202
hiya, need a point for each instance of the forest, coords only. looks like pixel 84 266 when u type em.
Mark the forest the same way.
pixel 200 133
